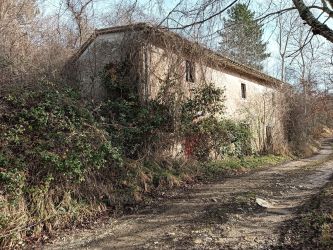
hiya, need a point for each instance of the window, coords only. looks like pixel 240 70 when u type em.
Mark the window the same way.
pixel 243 87
pixel 190 71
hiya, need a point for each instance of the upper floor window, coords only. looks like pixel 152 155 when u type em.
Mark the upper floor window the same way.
pixel 243 89
pixel 190 71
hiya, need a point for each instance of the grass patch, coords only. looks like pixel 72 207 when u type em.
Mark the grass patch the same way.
pixel 219 168
pixel 175 173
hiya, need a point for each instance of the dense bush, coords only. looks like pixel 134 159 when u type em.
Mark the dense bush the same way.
pixel 134 126
pixel 61 162
pixel 50 146
pixel 210 134
pixel 306 117
pixel 139 127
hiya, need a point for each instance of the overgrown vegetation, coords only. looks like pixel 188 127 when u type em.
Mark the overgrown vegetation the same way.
pixel 209 134
pixel 133 127
pixel 307 120
pixel 61 162
pixel 50 147
pixel 141 129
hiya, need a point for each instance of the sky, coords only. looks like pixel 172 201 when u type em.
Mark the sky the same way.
pixel 104 7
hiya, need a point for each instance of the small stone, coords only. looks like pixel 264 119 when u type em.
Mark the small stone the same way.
pixel 263 203
pixel 213 199
pixel 197 241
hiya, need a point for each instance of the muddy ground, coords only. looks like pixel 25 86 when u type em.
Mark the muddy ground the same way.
pixel 223 215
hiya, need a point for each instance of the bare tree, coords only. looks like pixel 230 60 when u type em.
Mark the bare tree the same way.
pixel 285 29
pixel 16 23
pixel 325 7
pixel 126 12
pixel 80 14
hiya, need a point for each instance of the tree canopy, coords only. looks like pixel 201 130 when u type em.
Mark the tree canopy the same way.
pixel 242 37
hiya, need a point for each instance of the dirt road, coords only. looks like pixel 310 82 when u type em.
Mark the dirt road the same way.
pixel 223 215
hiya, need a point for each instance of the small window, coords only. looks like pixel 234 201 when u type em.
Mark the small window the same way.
pixel 190 71
pixel 243 87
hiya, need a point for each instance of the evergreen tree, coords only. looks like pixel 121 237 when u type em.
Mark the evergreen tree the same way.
pixel 242 37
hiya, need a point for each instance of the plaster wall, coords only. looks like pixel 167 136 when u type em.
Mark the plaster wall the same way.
pixel 261 108
pixel 157 66
pixel 104 50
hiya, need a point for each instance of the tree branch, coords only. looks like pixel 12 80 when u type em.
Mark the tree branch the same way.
pixel 316 25
pixel 206 19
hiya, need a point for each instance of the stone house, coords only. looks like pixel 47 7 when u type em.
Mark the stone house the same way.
pixel 157 55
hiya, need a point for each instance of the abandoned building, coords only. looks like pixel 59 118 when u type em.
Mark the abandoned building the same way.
pixel 157 55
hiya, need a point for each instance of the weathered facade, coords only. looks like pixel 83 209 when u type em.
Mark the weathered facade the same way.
pixel 157 56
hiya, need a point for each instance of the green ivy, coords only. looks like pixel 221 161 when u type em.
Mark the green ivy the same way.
pixel 49 132
pixel 202 119
pixel 132 124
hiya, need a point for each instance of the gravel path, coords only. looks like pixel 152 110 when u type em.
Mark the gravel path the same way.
pixel 223 215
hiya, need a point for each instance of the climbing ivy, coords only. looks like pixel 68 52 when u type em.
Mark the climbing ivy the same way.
pixel 132 124
pixel 207 132
pixel 136 125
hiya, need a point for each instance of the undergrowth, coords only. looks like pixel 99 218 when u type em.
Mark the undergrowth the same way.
pixel 63 163
pixel 50 147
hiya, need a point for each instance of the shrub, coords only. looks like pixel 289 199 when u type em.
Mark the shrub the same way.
pixel 306 118
pixel 134 126
pixel 210 133
pixel 139 128
pixel 49 148
pixel 61 163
